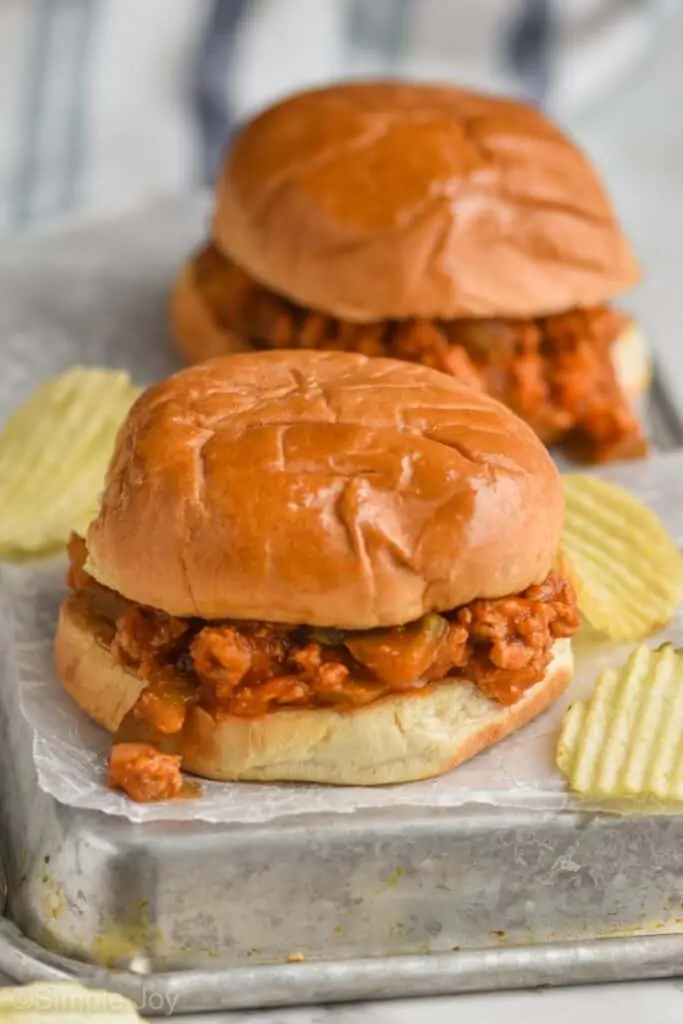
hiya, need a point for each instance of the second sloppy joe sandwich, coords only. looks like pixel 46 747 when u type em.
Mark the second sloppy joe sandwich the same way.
pixel 317 566
pixel 428 223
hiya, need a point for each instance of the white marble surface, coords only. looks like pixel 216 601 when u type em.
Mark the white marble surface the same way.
pixel 644 1003
pixel 656 1003
pixel 649 1003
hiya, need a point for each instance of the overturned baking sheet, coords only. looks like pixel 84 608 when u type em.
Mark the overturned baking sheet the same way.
pixel 410 890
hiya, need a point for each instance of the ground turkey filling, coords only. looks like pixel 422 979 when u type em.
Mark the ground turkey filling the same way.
pixel 556 372
pixel 251 668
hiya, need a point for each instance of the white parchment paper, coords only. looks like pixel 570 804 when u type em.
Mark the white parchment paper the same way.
pixel 99 295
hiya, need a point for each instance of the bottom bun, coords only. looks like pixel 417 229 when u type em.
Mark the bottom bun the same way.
pixel 397 739
pixel 632 364
pixel 197 335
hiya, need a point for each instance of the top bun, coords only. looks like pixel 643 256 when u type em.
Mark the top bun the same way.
pixel 386 200
pixel 323 488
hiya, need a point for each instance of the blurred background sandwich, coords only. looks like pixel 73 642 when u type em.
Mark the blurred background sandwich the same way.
pixel 433 224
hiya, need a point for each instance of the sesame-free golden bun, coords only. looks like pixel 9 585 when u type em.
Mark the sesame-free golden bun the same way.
pixel 387 200
pixel 196 332
pixel 323 488
pixel 398 739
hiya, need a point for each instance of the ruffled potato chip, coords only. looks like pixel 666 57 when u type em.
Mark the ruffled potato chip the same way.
pixel 626 740
pixel 54 452
pixel 627 569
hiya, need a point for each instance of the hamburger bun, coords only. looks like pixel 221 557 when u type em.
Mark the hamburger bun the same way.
pixel 632 363
pixel 323 488
pixel 374 201
pixel 397 739
pixel 199 336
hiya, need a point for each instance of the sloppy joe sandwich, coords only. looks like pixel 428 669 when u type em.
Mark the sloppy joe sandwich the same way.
pixel 427 223
pixel 318 566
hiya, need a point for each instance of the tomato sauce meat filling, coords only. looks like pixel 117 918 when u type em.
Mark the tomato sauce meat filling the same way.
pixel 556 372
pixel 249 669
